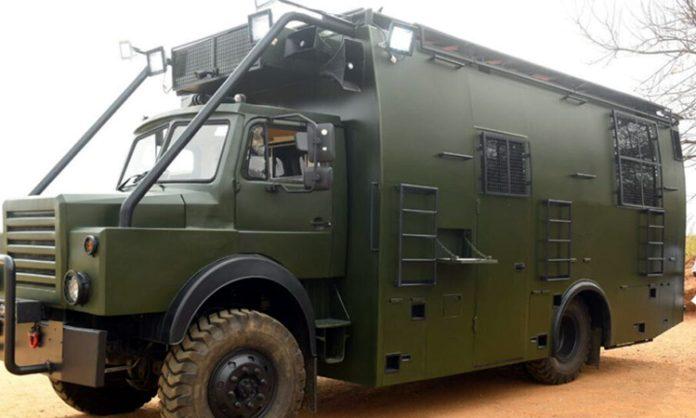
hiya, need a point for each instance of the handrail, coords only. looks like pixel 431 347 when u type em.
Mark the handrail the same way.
pixel 93 130
pixel 128 206
pixel 10 328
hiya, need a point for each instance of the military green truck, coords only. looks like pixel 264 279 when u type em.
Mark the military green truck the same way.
pixel 355 197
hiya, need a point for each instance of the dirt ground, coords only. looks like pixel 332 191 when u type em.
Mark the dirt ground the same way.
pixel 655 379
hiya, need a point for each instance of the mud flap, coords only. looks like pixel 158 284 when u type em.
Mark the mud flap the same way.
pixel 310 400
pixel 311 387
pixel 595 347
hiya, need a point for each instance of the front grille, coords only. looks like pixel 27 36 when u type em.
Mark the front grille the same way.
pixel 31 241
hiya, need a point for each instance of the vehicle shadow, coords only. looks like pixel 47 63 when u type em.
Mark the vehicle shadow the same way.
pixel 466 393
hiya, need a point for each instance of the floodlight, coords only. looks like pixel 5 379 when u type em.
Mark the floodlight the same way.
pixel 259 25
pixel 401 39
pixel 156 61
pixel 126 50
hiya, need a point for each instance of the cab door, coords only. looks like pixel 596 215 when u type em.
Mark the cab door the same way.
pixel 276 216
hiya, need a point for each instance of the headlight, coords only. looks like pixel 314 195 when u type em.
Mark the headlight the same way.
pixel 76 288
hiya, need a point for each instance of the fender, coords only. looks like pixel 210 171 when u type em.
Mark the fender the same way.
pixel 226 271
pixel 581 286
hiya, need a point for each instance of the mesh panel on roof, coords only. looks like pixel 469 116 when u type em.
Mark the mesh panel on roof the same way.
pixel 211 57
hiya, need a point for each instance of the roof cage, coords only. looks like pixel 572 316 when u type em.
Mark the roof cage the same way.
pixel 209 58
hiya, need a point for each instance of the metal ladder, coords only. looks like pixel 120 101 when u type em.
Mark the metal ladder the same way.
pixel 429 193
pixel 559 237
pixel 654 245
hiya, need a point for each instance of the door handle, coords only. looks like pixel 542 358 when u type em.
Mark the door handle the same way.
pixel 320 223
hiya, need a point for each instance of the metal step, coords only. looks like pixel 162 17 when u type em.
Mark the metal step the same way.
pixel 328 323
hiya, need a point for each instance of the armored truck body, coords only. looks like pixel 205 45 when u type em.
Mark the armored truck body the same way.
pixel 329 203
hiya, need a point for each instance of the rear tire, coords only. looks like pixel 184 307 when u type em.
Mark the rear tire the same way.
pixel 116 397
pixel 233 363
pixel 570 351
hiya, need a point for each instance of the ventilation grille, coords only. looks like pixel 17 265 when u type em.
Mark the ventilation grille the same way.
pixel 210 58
pixel 31 241
pixel 505 165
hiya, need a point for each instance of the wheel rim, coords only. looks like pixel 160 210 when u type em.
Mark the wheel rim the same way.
pixel 242 385
pixel 568 338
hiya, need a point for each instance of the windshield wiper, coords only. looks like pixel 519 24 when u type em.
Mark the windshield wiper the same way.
pixel 135 178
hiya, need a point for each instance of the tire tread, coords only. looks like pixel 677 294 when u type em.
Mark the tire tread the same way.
pixel 180 367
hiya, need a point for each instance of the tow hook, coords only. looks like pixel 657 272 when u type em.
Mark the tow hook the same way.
pixel 35 337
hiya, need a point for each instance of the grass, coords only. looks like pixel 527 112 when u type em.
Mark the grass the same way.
pixel 690 247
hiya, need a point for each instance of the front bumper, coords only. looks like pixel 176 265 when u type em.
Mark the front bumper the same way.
pixel 30 343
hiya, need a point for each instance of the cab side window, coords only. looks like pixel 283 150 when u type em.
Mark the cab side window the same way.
pixel 273 153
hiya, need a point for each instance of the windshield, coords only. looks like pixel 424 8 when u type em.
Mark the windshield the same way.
pixel 144 152
pixel 198 162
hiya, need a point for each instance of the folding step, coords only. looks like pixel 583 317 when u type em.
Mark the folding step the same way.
pixel 332 335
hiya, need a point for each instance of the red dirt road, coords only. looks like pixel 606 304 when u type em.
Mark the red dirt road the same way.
pixel 655 379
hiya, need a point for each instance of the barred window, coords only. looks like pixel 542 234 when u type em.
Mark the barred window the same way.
pixel 637 154
pixel 505 165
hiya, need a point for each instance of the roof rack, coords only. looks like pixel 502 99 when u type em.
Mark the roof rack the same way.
pixel 459 51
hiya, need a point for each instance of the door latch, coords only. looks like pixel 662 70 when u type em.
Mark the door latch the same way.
pixel 320 223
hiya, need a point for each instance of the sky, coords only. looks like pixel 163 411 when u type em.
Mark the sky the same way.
pixel 61 68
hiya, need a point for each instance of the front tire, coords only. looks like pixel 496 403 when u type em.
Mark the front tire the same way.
pixel 116 397
pixel 571 349
pixel 233 363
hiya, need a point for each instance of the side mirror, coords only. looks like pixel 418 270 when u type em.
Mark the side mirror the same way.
pixel 318 178
pixel 318 142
